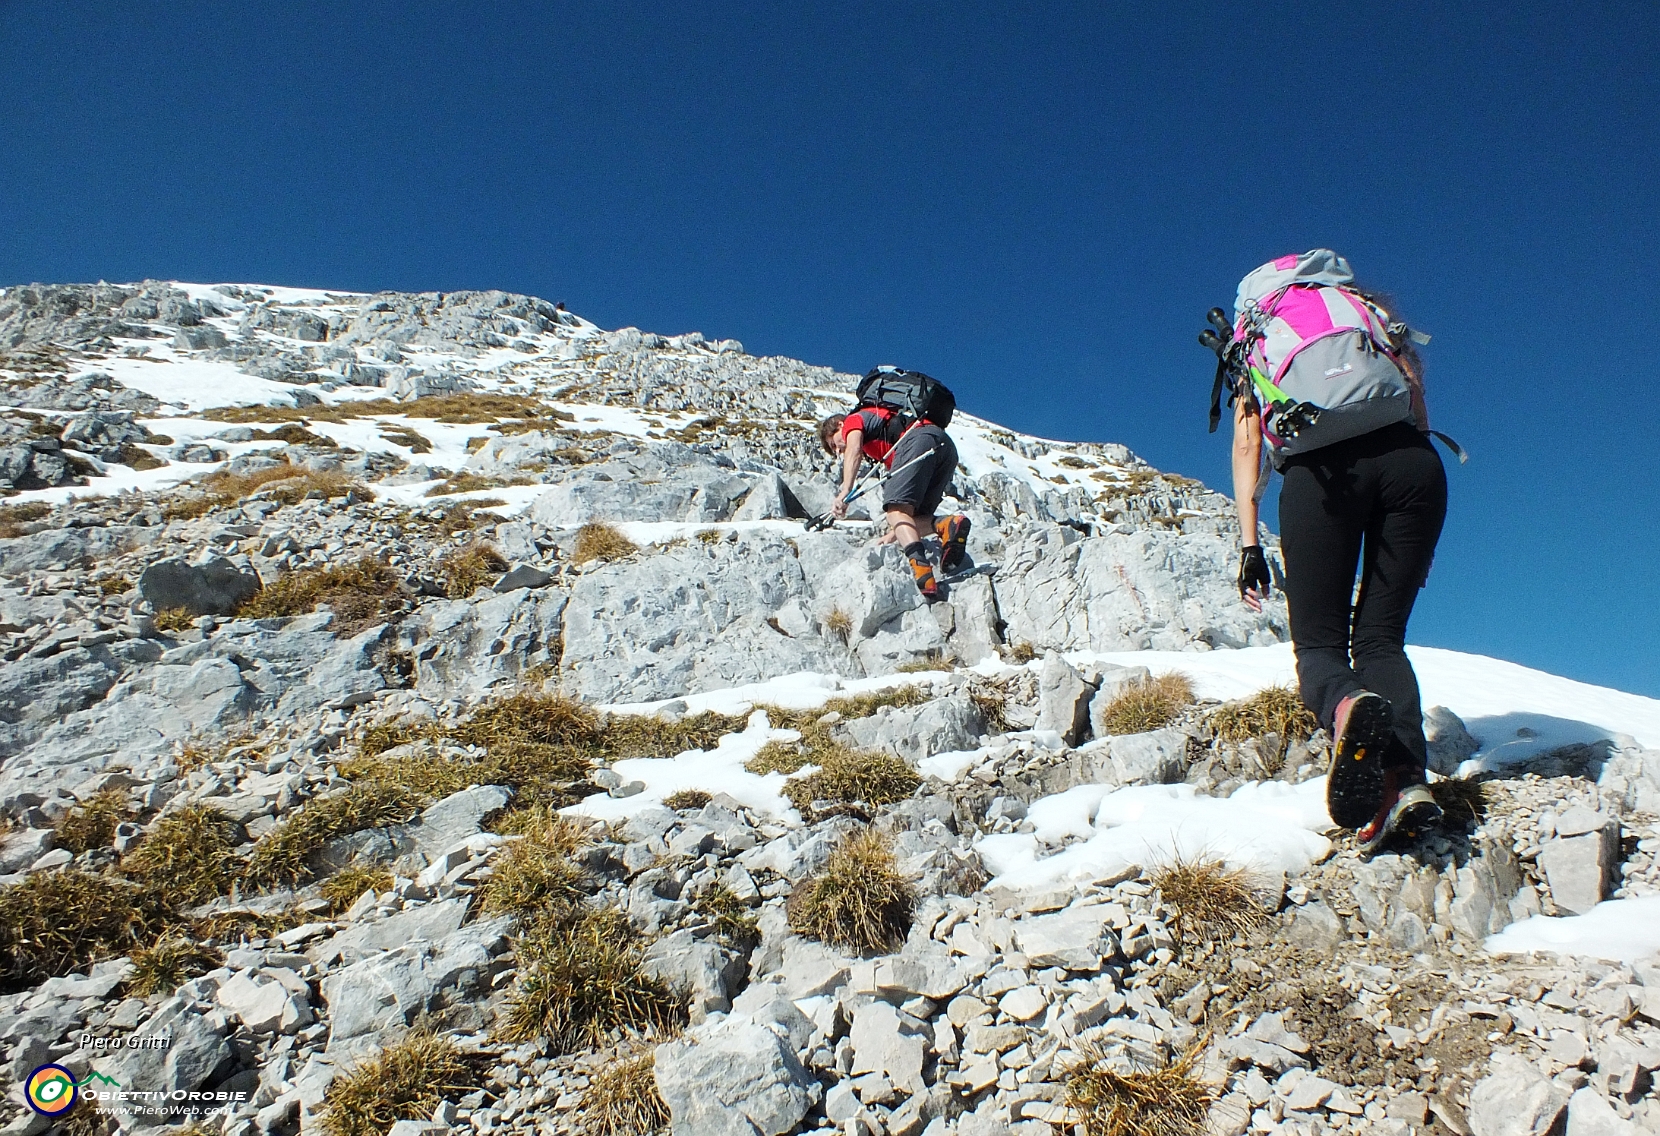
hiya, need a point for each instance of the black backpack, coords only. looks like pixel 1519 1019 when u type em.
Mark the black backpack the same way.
pixel 915 396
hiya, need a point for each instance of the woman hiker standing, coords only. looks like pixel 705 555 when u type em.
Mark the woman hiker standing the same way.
pixel 1365 489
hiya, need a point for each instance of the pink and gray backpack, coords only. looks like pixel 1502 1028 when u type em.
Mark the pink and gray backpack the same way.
pixel 1308 339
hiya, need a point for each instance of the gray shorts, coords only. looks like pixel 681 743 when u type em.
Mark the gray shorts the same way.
pixel 921 487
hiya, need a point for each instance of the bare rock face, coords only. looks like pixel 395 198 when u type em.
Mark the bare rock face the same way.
pixel 736 1078
pixel 1515 1099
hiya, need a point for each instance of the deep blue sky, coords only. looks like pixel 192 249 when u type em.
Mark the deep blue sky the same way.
pixel 1036 205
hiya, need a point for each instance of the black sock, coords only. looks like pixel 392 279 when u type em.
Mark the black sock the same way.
pixel 915 551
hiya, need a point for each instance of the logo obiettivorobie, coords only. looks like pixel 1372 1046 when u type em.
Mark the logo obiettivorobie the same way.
pixel 52 1090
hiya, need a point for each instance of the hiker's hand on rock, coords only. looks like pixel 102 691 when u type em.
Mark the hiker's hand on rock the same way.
pixel 1253 576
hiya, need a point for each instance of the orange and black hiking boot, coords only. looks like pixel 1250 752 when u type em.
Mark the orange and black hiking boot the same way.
pixel 953 534
pixel 922 572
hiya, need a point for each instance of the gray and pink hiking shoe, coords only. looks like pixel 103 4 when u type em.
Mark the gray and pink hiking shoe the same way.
pixel 1404 812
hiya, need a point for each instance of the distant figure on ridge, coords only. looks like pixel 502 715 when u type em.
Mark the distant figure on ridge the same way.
pixel 1321 368
pixel 900 421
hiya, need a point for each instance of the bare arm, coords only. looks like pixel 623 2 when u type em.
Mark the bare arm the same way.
pixel 1247 461
pixel 852 457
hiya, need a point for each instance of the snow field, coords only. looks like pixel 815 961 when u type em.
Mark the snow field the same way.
pixel 1619 930
pixel 715 771
pixel 1266 827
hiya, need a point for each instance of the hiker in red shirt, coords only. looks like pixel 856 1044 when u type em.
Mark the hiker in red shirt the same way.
pixel 923 458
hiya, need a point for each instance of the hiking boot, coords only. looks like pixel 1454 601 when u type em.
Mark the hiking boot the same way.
pixel 953 534
pixel 1407 813
pixel 1362 730
pixel 923 573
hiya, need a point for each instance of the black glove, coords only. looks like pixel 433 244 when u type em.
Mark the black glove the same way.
pixel 1253 570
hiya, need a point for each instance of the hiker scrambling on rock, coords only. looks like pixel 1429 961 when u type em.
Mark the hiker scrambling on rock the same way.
pixel 900 421
pixel 1324 373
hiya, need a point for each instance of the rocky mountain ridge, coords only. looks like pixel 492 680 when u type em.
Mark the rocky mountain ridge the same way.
pixel 276 555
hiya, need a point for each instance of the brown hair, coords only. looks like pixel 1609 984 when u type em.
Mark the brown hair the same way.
pixel 1413 363
pixel 1406 352
pixel 829 428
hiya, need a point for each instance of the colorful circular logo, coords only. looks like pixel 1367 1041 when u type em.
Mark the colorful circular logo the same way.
pixel 51 1090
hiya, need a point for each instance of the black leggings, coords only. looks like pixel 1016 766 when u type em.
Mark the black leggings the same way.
pixel 1377 502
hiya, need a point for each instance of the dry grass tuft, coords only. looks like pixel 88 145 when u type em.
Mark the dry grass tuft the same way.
pixel 598 541
pixel 1021 652
pixel 864 705
pixel 1210 899
pixel 432 776
pixel 622 1100
pixel 687 800
pixel 1161 1102
pixel 541 746
pixel 468 482
pixel 137 457
pixel 839 624
pixel 923 666
pixel 92 823
pixel 642 735
pixel 175 619
pixel 731 917
pixel 360 594
pixel 1278 710
pixel 1150 704
pixel 471 567
pixel 847 706
pixel 407 438
pixel 285 483
pixel 87 1120
pixel 542 719
pixel 15 520
pixel 113 584
pixel 1463 801
pixel 282 855
pixel 346 886
pixel 859 902
pixel 539 873
pixel 163 965
pixel 582 984
pixel 991 699
pixel 187 857
pixel 407 1081
pixel 382 736
pixel 57 923
pixel 241 925
pixel 779 757
pixel 869 777
pixel 455 409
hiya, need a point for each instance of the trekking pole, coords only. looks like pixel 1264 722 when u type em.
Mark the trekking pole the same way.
pixel 826 520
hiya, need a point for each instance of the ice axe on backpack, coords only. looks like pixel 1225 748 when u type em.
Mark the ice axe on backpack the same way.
pixel 1286 416
pixel 827 520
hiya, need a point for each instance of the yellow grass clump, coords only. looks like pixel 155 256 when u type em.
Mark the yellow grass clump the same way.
pixel 1150 704
pixel 1169 1101
pixel 858 902
pixel 598 541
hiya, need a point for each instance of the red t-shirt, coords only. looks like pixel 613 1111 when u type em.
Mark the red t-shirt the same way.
pixel 882 431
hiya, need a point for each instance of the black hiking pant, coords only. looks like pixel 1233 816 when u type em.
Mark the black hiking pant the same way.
pixel 1376 502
